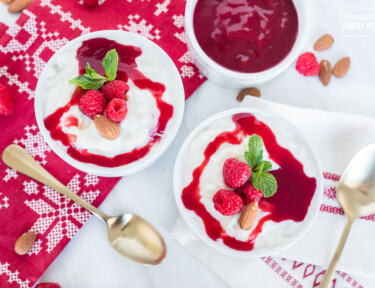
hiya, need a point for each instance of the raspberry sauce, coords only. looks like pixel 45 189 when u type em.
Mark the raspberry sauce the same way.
pixel 291 201
pixel 93 51
pixel 246 35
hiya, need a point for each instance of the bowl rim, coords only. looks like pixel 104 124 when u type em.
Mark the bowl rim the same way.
pixel 188 215
pixel 303 28
pixel 123 170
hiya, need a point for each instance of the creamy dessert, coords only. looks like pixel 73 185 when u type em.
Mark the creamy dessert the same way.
pixel 231 157
pixel 137 99
pixel 246 35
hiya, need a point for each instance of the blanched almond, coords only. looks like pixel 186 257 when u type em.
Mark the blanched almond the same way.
pixel 341 67
pixel 325 72
pixel 25 242
pixel 248 216
pixel 248 91
pixel 106 127
pixel 323 43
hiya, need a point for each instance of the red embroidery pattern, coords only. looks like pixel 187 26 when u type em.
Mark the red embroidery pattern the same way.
pixel 275 266
pixel 330 192
pixel 331 176
pixel 331 209
pixel 349 279
pixel 299 274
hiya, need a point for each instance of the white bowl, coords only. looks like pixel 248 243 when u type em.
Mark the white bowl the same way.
pixel 228 78
pixel 285 132
pixel 157 150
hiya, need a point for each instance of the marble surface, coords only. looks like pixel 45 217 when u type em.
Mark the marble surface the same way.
pixel 89 261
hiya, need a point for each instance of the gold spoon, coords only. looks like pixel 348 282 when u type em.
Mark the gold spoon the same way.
pixel 129 234
pixel 356 195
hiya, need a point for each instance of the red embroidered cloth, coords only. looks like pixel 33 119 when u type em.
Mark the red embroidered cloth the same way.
pixel 24 50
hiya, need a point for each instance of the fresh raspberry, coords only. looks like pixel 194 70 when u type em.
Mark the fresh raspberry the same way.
pixel 116 110
pixel 249 193
pixel 235 173
pixel 92 103
pixel 227 202
pixel 48 285
pixel 307 64
pixel 115 89
pixel 6 101
pixel 90 3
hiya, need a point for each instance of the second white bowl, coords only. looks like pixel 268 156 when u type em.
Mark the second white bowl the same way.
pixel 278 235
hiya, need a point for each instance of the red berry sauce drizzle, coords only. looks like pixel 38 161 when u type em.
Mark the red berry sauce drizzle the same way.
pixel 93 51
pixel 246 35
pixel 291 201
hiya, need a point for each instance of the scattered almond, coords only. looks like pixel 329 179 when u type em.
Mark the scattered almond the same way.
pixel 18 5
pixel 325 72
pixel 248 91
pixel 323 43
pixel 341 67
pixel 25 242
pixel 106 127
pixel 248 216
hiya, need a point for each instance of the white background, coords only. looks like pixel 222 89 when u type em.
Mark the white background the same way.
pixel 89 261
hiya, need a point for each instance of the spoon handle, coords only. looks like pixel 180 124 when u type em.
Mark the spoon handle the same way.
pixel 327 279
pixel 17 158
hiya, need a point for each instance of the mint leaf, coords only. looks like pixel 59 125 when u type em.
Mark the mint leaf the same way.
pixel 255 153
pixel 91 73
pixel 110 63
pixel 263 166
pixel 87 83
pixel 92 80
pixel 260 179
pixel 265 182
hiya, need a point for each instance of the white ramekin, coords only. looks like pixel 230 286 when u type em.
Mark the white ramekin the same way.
pixel 196 224
pixel 228 78
pixel 136 166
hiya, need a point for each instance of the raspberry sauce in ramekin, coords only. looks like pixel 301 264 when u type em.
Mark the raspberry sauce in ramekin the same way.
pixel 246 36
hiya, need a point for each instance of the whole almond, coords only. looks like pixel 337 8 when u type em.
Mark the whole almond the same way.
pixel 341 67
pixel 6 1
pixel 248 216
pixel 325 72
pixel 323 43
pixel 106 127
pixel 24 242
pixel 248 91
pixel 18 5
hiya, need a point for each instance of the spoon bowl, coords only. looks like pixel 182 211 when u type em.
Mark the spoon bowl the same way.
pixel 356 195
pixel 135 238
pixel 356 189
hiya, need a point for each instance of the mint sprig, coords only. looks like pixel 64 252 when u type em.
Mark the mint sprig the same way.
pixel 260 178
pixel 92 80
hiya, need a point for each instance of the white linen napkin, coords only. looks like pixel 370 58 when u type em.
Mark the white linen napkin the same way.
pixel 336 138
